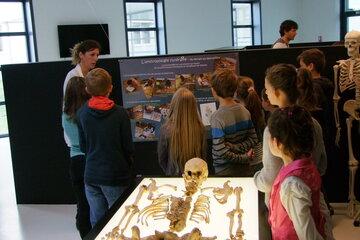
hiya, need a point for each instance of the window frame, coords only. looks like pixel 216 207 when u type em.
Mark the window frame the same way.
pixel 27 34
pixel 155 29
pixel 234 27
pixel 345 13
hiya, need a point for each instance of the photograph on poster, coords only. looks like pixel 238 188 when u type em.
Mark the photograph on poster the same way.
pixel 148 84
pixel 144 130
pixel 225 63
pixel 152 112
pixel 204 80
pixel 206 109
pixel 165 86
pixel 165 110
pixel 185 80
pixel 136 112
pixel 132 85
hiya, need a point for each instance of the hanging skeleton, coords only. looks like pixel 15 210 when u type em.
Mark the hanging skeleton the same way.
pixel 347 76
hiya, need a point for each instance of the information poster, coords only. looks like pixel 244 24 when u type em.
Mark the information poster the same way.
pixel 149 83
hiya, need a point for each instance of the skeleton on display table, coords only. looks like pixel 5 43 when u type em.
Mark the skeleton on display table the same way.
pixel 178 209
pixel 347 80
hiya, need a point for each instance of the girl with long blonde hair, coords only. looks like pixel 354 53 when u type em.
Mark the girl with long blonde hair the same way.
pixel 183 135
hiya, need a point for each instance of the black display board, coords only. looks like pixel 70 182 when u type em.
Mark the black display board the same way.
pixel 253 63
pixel 69 35
pixel 33 94
pixel 40 157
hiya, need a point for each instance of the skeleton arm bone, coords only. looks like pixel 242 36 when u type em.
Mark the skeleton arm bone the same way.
pixel 153 188
pixel 336 99
pixel 134 210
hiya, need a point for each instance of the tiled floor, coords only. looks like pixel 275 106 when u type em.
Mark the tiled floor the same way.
pixel 56 222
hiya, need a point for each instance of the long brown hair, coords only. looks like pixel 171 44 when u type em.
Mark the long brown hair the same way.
pixel 295 83
pixel 248 94
pixel 75 96
pixel 187 132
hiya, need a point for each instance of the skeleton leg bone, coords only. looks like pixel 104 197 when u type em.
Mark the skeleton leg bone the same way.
pixel 231 215
pixel 353 166
pixel 239 235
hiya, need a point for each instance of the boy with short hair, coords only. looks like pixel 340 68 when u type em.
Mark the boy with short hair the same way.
pixel 314 60
pixel 233 132
pixel 105 138
pixel 288 31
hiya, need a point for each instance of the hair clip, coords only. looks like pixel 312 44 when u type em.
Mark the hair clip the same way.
pixel 250 89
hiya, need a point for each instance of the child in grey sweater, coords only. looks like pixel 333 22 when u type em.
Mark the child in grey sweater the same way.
pixel 233 133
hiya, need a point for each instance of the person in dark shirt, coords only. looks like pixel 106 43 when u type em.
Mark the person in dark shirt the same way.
pixel 105 138
pixel 314 60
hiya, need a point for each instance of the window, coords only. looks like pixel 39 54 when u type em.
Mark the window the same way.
pixel 350 16
pixel 145 28
pixel 16 43
pixel 246 23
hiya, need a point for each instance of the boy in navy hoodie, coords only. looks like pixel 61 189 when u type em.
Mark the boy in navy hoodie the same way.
pixel 105 138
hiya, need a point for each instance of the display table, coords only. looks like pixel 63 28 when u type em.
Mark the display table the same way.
pixel 219 219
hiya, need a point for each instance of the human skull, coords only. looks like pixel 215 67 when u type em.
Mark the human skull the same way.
pixel 352 43
pixel 195 173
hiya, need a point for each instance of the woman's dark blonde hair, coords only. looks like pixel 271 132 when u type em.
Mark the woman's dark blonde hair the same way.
pixel 83 47
pixel 75 96
pixel 187 132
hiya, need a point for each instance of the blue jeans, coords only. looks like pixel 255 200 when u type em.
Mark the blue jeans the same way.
pixel 100 199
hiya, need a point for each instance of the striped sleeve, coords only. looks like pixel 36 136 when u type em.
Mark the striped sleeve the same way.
pixel 231 143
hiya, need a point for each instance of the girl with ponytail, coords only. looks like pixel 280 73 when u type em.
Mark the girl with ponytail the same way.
pixel 247 95
pixel 287 87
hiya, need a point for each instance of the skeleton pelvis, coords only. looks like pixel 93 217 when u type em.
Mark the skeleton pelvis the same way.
pixel 352 107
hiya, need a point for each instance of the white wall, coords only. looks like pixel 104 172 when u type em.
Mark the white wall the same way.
pixel 50 13
pixel 273 12
pixel 191 25
pixel 320 18
pixel 314 17
pixel 197 25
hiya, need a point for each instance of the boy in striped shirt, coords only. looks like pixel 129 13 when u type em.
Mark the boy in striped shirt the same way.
pixel 233 133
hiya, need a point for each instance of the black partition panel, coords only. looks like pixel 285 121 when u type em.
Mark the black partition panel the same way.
pixel 253 63
pixel 33 95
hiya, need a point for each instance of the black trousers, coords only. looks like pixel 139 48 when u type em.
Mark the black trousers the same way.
pixel 77 168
